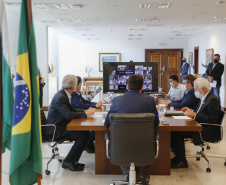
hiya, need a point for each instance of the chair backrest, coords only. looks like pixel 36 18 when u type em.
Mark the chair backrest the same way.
pixel 213 133
pixel 132 139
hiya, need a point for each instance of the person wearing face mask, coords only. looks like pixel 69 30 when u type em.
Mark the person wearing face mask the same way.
pixel 176 91
pixel 189 99
pixel 184 69
pixel 207 112
pixel 214 72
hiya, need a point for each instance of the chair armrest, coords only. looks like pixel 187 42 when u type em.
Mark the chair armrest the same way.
pixel 107 138
pixel 211 124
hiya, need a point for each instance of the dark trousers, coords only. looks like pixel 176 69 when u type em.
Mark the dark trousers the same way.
pixel 91 138
pixel 80 138
pixel 177 144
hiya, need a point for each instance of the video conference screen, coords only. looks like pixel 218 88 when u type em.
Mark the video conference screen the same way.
pixel 116 74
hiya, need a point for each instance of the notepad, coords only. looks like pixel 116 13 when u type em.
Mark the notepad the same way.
pixel 181 117
pixel 174 113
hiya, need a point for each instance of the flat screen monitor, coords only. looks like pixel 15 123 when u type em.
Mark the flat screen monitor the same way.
pixel 116 74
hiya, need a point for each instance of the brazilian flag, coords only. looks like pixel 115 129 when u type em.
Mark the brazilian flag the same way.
pixel 26 154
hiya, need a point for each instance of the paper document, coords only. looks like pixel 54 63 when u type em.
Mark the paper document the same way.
pixel 181 117
pixel 213 84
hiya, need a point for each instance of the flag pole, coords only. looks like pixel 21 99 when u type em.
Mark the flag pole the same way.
pixel 30 21
pixel 0 110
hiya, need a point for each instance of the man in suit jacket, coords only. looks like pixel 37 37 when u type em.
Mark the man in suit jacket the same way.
pixel 77 101
pixel 207 112
pixel 133 102
pixel 189 100
pixel 184 69
pixel 214 72
pixel 60 114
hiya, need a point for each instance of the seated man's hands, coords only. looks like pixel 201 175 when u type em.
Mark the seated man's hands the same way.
pixel 164 102
pixel 90 111
pixel 184 109
pixel 99 104
pixel 190 113
pixel 163 93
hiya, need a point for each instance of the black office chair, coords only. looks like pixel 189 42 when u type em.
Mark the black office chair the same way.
pixel 50 142
pixel 218 128
pixel 132 141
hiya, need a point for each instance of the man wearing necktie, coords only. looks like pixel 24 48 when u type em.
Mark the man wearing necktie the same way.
pixel 207 112
pixel 214 72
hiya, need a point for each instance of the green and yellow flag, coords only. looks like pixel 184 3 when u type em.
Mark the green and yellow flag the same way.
pixel 26 154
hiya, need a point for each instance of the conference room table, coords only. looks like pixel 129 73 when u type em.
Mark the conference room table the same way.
pixel 161 166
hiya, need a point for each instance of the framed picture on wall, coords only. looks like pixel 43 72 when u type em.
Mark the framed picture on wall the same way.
pixel 190 59
pixel 108 57
pixel 209 56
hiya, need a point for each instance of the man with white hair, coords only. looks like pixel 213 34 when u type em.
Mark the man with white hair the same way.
pixel 207 112
pixel 61 112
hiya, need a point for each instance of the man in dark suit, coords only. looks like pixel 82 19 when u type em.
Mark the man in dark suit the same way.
pixel 207 112
pixel 184 69
pixel 60 114
pixel 189 100
pixel 214 72
pixel 133 102
pixel 77 101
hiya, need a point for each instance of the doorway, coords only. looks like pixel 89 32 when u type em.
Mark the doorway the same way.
pixel 196 60
pixel 169 64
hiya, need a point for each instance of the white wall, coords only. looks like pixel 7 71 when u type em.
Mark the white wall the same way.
pixel 41 36
pixel 215 39
pixel 75 55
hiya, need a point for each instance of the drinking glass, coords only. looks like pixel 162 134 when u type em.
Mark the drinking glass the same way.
pixel 162 111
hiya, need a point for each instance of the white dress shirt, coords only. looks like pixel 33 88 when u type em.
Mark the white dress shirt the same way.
pixel 176 93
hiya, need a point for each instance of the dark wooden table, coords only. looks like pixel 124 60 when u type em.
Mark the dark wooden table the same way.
pixel 162 163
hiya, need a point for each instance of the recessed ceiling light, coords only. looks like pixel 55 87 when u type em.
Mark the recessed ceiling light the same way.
pixel 143 30
pixel 155 25
pixel 138 38
pixel 61 6
pixel 145 6
pixel 140 20
pixel 64 20
pixel 131 29
pixel 221 2
pixel 140 35
pixel 220 19
pixel 164 5
pixel 130 35
pixel 130 38
pixel 76 6
pixel 155 19
pixel 188 29
pixel 42 6
pixel 76 20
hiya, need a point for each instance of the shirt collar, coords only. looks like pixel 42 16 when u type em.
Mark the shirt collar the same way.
pixel 204 97
pixel 68 95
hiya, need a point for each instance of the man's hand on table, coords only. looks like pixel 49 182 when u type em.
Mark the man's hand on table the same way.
pixel 166 102
pixel 90 111
pixel 189 112
pixel 99 104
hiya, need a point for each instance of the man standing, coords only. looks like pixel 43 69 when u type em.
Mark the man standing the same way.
pixel 207 112
pixel 184 69
pixel 60 114
pixel 77 101
pixel 133 102
pixel 214 72
pixel 189 100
